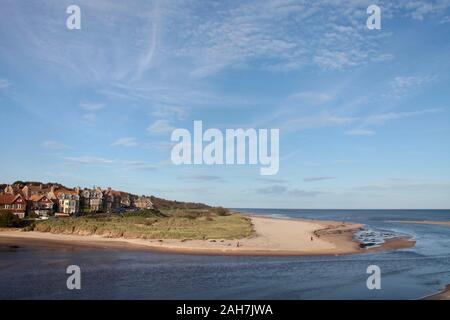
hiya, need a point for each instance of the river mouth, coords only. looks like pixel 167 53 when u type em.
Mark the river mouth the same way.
pixel 374 238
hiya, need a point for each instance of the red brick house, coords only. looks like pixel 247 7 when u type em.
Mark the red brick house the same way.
pixel 41 205
pixel 16 204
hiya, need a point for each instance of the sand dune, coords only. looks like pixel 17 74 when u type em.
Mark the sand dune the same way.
pixel 273 237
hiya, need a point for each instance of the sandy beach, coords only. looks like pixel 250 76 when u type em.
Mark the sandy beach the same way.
pixel 272 237
pixel 444 295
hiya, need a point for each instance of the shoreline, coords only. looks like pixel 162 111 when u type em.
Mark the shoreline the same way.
pixel 442 295
pixel 273 237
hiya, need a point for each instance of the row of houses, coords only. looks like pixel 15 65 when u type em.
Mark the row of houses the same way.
pixel 53 199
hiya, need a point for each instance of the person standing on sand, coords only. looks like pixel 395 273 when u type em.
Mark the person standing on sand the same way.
pixel 312 238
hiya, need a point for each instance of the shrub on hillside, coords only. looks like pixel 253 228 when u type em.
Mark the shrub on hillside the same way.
pixel 220 211
pixel 10 220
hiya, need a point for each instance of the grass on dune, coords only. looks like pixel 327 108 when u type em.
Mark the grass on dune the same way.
pixel 171 224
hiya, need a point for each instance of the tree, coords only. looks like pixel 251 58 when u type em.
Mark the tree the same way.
pixel 220 211
pixel 10 220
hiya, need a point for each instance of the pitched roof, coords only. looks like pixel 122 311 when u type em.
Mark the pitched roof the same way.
pixel 34 188
pixel 37 197
pixel 66 191
pixel 9 198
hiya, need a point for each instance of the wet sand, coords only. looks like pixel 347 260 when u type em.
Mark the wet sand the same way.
pixel 444 295
pixel 273 237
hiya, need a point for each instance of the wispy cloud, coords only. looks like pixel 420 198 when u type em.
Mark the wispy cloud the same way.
pixel 140 165
pixel 311 97
pixel 382 118
pixel 404 185
pixel 272 180
pixel 360 132
pixel 170 111
pixel 190 190
pixel 235 38
pixel 305 193
pixel 4 83
pixel 264 34
pixel 54 145
pixel 282 190
pixel 402 85
pixel 324 119
pixel 275 189
pixel 90 118
pixel 343 161
pixel 88 160
pixel 104 162
pixel 315 179
pixel 419 9
pixel 146 60
pixel 160 126
pixel 445 20
pixel 126 142
pixel 92 106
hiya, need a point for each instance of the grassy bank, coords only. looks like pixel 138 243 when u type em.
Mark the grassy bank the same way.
pixel 172 224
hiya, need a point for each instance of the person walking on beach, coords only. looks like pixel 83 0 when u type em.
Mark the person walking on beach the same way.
pixel 312 238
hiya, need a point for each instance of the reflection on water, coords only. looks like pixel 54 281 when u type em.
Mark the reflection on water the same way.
pixel 36 273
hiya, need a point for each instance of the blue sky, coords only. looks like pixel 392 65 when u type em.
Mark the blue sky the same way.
pixel 363 114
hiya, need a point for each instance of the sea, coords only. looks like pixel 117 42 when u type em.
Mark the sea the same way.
pixel 34 272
